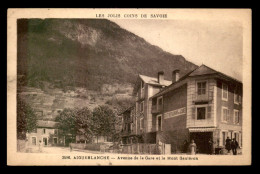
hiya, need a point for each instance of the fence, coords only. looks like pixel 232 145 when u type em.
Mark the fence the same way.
pixel 95 147
pixel 146 149
pixel 126 148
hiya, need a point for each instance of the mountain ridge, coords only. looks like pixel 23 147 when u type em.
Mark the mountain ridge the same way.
pixel 88 53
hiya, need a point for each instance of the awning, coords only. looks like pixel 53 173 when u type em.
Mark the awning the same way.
pixel 202 129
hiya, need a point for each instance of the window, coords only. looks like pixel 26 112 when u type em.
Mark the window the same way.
pixel 225 115
pixel 224 92
pixel 141 123
pixel 34 141
pixel 55 131
pixel 159 123
pixel 201 113
pixel 142 106
pixel 236 97
pixel 201 88
pixel 160 103
pixel 236 116
pixel 44 131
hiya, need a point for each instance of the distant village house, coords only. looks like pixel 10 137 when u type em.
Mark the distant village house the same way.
pixel 46 132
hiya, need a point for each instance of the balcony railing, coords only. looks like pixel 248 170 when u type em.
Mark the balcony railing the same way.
pixel 203 97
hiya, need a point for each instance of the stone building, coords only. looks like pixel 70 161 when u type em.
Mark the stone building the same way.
pixel 45 132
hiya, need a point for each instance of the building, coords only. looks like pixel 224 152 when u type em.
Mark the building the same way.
pixel 45 132
pixel 128 132
pixel 137 120
pixel 202 105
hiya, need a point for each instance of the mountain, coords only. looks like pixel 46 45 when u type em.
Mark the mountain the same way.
pixel 88 53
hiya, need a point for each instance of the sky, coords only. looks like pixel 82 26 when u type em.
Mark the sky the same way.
pixel 217 44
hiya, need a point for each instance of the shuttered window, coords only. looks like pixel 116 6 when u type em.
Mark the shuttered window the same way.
pixel 236 97
pixel 224 91
pixel 236 116
pixel 225 115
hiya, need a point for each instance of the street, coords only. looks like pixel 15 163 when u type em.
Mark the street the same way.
pixel 60 150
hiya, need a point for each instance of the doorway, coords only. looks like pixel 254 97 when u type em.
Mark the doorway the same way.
pixel 202 140
pixel 55 140
pixel 45 141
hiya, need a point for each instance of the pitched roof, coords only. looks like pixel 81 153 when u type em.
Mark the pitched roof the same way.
pixel 149 80
pixel 46 124
pixel 199 71
pixel 154 81
pixel 203 70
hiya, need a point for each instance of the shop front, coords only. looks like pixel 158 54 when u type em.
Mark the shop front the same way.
pixel 204 139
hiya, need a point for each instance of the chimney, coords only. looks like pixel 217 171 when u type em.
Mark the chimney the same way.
pixel 175 75
pixel 160 77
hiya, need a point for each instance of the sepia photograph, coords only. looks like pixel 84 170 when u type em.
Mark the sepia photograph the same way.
pixel 129 87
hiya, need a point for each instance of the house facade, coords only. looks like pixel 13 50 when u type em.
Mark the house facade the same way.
pixel 203 105
pixel 46 132
pixel 137 120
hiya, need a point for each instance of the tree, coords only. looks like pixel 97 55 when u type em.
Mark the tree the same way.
pixel 66 125
pixel 104 121
pixel 84 123
pixel 73 122
pixel 26 118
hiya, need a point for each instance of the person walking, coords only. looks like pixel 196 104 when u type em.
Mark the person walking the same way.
pixel 40 146
pixel 192 147
pixel 185 146
pixel 234 146
pixel 228 144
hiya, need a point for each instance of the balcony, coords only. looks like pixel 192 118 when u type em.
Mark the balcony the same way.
pixel 202 98
pixel 157 109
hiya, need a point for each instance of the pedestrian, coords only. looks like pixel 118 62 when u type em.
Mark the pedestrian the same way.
pixel 192 148
pixel 210 147
pixel 159 147
pixel 185 146
pixel 234 146
pixel 70 147
pixel 40 146
pixel 26 145
pixel 228 144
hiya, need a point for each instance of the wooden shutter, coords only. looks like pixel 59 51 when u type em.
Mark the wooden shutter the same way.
pixel 228 115
pixel 240 99
pixel 193 114
pixel 209 111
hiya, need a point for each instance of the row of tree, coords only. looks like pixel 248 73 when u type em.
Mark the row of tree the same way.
pixel 102 121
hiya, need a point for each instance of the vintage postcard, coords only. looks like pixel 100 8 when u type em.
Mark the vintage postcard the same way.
pixel 129 87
